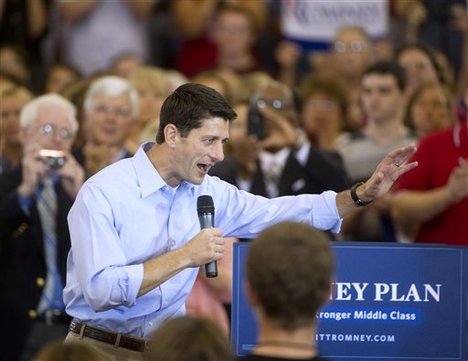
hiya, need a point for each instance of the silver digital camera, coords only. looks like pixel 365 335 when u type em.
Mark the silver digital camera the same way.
pixel 54 159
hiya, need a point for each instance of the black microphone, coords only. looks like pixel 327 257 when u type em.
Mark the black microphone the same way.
pixel 205 209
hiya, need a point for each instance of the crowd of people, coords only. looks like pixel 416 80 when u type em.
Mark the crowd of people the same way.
pixel 95 93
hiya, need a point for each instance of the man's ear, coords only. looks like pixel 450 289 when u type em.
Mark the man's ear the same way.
pixel 171 135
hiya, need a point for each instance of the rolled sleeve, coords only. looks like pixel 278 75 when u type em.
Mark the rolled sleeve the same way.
pixel 325 215
pixel 113 287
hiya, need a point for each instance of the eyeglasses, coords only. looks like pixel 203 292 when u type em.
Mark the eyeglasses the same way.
pixel 118 111
pixel 277 104
pixel 353 47
pixel 50 130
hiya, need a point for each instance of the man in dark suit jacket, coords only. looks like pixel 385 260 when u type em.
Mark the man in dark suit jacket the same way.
pixel 28 318
pixel 322 171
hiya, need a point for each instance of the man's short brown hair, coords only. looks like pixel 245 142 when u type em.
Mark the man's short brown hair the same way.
pixel 289 269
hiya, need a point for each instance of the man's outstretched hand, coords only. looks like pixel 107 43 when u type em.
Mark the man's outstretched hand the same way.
pixel 387 172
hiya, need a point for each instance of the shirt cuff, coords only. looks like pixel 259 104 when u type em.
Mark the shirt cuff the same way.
pixel 327 216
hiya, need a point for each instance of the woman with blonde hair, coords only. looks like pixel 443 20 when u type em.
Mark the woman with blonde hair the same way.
pixel 152 85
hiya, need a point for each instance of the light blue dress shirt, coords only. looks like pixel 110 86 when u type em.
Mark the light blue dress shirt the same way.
pixel 126 214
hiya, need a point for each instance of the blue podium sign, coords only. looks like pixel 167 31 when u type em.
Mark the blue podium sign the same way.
pixel 388 302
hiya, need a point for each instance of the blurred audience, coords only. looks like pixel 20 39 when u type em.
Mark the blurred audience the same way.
pixel 93 33
pixel 35 198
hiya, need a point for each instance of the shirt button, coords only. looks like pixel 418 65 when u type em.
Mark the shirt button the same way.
pixel 172 243
pixel 150 323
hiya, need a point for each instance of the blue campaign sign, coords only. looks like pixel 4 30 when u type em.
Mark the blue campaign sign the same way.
pixel 389 301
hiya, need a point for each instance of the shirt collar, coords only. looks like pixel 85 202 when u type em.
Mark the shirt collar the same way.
pixel 148 176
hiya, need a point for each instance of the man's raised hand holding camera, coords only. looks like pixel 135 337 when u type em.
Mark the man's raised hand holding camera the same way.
pixel 48 129
pixel 35 199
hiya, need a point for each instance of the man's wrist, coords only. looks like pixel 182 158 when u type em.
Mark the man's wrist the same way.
pixel 357 200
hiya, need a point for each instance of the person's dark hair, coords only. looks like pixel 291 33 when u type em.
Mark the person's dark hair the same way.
pixel 388 68
pixel 189 105
pixel 189 338
pixel 289 269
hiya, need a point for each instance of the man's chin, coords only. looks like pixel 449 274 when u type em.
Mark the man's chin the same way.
pixel 197 180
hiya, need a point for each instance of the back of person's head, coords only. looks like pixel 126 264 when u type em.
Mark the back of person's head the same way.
pixel 30 110
pixel 189 105
pixel 189 338
pixel 59 351
pixel 111 87
pixel 388 68
pixel 289 270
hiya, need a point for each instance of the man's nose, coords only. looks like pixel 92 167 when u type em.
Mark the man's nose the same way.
pixel 217 152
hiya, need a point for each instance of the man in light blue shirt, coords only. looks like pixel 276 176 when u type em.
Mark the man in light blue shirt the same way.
pixel 136 238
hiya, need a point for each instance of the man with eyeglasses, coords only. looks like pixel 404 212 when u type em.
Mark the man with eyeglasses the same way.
pixel 110 110
pixel 35 199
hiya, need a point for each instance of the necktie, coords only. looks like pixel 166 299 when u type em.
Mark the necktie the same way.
pixel 47 207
